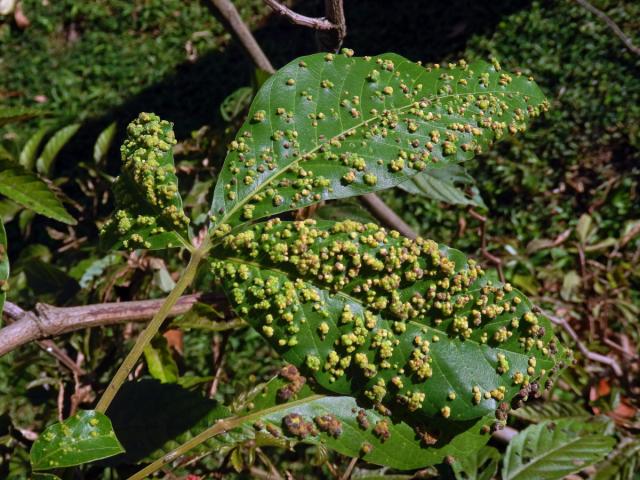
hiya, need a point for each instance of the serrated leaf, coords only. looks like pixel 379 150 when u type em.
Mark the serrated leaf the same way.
pixel 30 149
pixel 333 126
pixel 411 324
pixel 101 147
pixel 551 410
pixel 4 267
pixel 58 140
pixel 31 192
pixel 160 361
pixel 553 450
pixel 440 184
pixel 622 464
pixel 83 438
pixel 481 465
pixel 17 114
pixel 149 210
pixel 175 416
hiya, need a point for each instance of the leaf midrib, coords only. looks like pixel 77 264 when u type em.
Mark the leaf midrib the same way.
pixel 281 171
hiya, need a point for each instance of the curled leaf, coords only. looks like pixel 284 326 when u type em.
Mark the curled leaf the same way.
pixel 148 205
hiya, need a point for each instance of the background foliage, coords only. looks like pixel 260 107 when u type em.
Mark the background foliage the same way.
pixel 561 200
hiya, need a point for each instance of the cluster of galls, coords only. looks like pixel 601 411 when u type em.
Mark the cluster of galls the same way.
pixel 391 123
pixel 148 184
pixel 370 304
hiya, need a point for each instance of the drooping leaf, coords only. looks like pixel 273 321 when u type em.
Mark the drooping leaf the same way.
pixel 176 416
pixel 46 160
pixel 47 279
pixel 332 126
pixel 553 450
pixel 17 114
pixel 622 464
pixel 160 361
pixel 83 438
pixel 31 192
pixel 551 410
pixel 97 268
pixel 480 465
pixel 148 205
pixel 30 149
pixel 103 143
pixel 4 267
pixel 204 317
pixel 440 184
pixel 410 324
pixel 235 103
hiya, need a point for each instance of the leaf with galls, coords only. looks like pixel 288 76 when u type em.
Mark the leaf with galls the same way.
pixel 149 210
pixel 333 126
pixel 82 438
pixel 408 325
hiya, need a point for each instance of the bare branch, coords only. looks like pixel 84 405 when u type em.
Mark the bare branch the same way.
pixel 387 216
pixel 49 321
pixel 612 25
pixel 593 356
pixel 239 29
pixel 298 19
pixel 331 40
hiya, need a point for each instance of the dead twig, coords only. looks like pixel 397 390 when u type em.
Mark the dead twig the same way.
pixel 612 25
pixel 49 321
pixel 497 261
pixel 593 356
pixel 298 19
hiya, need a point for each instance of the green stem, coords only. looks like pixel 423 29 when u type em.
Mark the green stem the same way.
pixel 152 328
pixel 220 427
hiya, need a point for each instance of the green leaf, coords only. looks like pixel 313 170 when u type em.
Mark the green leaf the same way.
pixel 104 141
pixel 31 192
pixel 481 465
pixel 28 152
pixel 411 324
pixel 45 162
pixel 553 450
pixel 333 126
pixel 622 464
pixel 83 438
pixel 160 361
pixel 234 104
pixel 174 416
pixel 440 184
pixel 17 114
pixel 4 267
pixel 149 210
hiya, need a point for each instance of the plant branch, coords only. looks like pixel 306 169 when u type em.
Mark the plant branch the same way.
pixel 49 321
pixel 612 25
pixel 234 23
pixel 298 19
pixel 152 328
pixel 386 215
pixel 593 356
pixel 331 40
